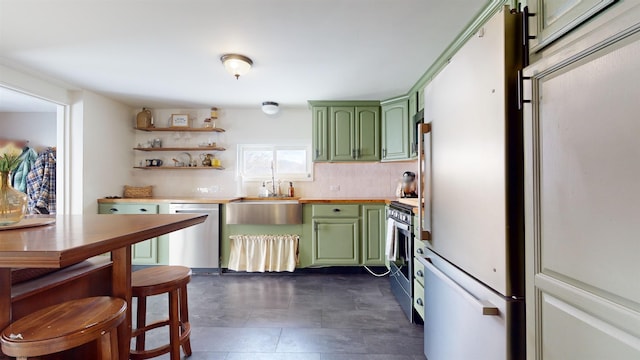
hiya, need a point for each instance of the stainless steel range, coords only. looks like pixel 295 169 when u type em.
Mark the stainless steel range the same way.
pixel 400 216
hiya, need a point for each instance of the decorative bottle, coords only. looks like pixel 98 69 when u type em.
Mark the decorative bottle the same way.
pixel 13 203
pixel 290 191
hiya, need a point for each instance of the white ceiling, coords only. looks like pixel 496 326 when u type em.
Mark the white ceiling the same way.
pixel 165 53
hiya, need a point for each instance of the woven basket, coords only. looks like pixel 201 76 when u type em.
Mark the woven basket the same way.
pixel 137 191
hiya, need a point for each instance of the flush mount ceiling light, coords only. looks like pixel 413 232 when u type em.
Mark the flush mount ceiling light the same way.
pixel 236 64
pixel 270 107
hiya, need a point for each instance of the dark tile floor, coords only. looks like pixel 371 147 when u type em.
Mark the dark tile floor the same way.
pixel 294 317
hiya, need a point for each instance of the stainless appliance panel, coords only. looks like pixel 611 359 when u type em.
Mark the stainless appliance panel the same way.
pixel 401 269
pixel 264 212
pixel 468 320
pixel 197 246
pixel 401 288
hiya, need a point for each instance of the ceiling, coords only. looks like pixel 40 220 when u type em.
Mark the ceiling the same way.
pixel 165 53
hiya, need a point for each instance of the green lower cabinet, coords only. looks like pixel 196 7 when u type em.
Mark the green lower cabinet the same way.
pixel 336 241
pixel 418 298
pixel 373 234
pixel 144 252
pixel 330 235
pixel 347 234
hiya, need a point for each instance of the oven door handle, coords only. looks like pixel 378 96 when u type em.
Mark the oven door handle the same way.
pixel 483 306
pixel 401 226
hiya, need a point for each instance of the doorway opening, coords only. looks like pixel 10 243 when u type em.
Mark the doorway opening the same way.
pixel 38 124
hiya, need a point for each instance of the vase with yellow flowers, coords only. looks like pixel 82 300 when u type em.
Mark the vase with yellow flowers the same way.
pixel 13 203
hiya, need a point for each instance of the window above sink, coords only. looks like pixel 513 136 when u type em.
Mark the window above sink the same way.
pixel 261 162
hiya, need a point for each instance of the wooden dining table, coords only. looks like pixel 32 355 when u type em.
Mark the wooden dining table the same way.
pixel 75 238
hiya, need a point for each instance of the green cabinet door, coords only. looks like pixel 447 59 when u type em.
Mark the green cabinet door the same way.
pixel 373 234
pixel 346 130
pixel 144 252
pixel 413 110
pixel 367 130
pixel 342 132
pixel 336 241
pixel 396 144
pixel 320 136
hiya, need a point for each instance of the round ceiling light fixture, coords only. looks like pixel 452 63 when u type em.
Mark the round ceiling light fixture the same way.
pixel 270 107
pixel 236 64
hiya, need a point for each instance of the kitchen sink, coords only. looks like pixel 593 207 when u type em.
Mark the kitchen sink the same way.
pixel 264 211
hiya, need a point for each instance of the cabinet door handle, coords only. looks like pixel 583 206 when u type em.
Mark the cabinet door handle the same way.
pixel 353 153
pixel 419 273
pixel 317 153
pixel 336 210
pixel 419 302
pixel 113 210
pixel 384 153
pixel 358 154
pixel 143 210
pixel 420 251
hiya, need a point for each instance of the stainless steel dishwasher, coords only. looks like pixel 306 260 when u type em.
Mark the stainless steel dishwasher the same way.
pixel 198 246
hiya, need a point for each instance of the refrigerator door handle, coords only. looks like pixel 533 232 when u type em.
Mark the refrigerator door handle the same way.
pixel 424 180
pixel 485 307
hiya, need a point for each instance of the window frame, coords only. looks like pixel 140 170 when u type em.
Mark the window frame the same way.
pixel 301 176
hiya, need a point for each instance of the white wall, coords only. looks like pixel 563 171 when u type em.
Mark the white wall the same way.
pixel 251 126
pixel 39 128
pixel 107 138
pixel 242 125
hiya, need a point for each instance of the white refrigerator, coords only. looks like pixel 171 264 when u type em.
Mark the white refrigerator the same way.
pixel 471 182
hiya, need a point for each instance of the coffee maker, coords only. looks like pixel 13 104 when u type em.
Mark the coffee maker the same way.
pixel 408 185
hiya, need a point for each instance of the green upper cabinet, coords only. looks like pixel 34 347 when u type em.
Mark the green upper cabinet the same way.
pixel 346 130
pixel 421 98
pixel 342 124
pixel 320 139
pixel 413 104
pixel 396 144
pixel 367 131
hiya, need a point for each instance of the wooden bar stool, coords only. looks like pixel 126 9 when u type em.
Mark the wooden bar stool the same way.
pixel 65 326
pixel 159 280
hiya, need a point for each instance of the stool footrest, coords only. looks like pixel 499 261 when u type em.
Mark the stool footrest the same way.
pixel 157 280
pixel 149 327
pixel 151 353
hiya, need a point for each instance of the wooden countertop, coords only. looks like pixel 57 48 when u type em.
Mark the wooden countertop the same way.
pixel 205 200
pixel 343 200
pixel 179 199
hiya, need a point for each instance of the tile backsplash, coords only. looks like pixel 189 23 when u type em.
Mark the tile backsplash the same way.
pixel 331 180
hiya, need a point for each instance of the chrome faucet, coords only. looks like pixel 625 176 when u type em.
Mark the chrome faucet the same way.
pixel 273 191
